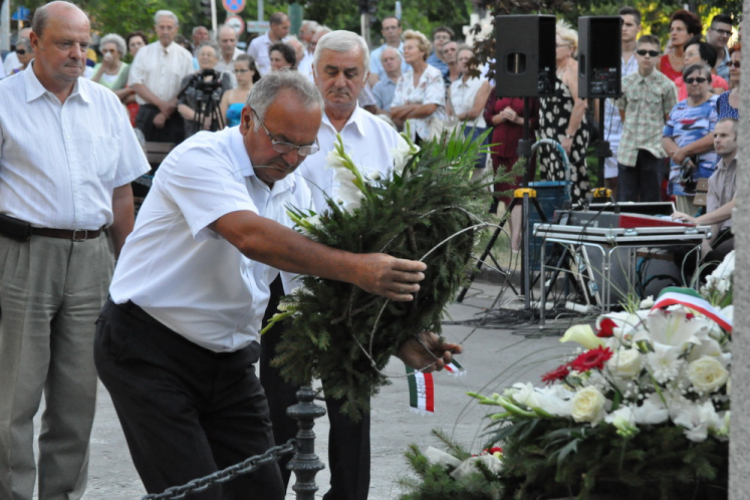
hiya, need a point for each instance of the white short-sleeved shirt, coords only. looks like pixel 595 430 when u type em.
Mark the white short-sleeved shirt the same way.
pixel 160 70
pixel 11 62
pixel 367 139
pixel 463 94
pixel 305 66
pixel 60 163
pixel 183 273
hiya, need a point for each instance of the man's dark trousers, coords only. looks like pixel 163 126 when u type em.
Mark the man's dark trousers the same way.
pixel 186 411
pixel 641 182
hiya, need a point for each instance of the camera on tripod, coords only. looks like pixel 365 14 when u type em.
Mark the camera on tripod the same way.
pixel 202 92
pixel 207 86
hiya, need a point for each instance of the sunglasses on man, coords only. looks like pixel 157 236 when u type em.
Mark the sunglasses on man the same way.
pixel 651 53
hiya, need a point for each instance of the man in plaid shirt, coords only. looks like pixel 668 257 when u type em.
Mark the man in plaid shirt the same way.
pixel 647 99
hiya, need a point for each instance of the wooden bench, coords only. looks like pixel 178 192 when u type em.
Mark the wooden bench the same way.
pixel 155 154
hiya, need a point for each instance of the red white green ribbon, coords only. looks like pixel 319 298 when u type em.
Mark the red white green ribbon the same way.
pixel 455 369
pixel 421 391
pixel 422 387
pixel 692 300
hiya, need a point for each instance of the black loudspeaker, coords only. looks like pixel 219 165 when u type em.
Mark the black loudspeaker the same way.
pixel 599 57
pixel 525 56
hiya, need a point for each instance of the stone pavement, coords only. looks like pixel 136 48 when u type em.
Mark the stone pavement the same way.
pixel 494 358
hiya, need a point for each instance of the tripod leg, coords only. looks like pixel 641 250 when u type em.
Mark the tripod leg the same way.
pixel 486 252
pixel 525 263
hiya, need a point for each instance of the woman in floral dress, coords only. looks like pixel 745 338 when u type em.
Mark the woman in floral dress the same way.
pixel 420 92
pixel 562 119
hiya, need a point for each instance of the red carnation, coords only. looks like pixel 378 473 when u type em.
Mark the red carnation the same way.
pixel 594 358
pixel 605 328
pixel 558 373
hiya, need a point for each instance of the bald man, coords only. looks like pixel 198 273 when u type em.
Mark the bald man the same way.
pixel 67 157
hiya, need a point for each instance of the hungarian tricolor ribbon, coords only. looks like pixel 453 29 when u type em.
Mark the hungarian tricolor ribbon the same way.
pixel 421 391
pixel 689 298
pixel 422 387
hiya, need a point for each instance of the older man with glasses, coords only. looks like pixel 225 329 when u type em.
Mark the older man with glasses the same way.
pixel 177 343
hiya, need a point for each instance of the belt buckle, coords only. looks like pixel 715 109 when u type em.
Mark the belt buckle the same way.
pixel 85 235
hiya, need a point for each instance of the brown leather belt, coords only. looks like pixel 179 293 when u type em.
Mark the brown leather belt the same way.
pixel 67 234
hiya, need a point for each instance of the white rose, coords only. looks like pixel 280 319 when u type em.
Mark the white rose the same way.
pixel 625 363
pixel 707 374
pixel 588 405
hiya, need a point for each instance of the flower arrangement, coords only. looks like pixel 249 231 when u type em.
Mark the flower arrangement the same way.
pixel 429 209
pixel 640 411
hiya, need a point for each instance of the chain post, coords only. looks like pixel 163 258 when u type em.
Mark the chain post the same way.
pixel 305 462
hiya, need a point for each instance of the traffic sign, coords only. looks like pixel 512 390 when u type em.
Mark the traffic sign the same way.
pixel 21 14
pixel 234 6
pixel 258 26
pixel 237 24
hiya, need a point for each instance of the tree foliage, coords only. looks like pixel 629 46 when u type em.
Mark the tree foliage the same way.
pixel 421 15
pixel 655 13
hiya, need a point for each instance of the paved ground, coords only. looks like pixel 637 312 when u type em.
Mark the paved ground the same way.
pixel 493 357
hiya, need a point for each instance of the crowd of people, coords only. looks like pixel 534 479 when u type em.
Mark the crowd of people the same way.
pixel 199 269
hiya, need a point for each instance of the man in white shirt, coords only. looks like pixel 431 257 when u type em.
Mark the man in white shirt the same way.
pixel 306 33
pixel 175 346
pixel 227 38
pixel 67 157
pixel 11 60
pixel 384 90
pixel 341 67
pixel 612 129
pixel 155 76
pixel 277 32
pixel 391 31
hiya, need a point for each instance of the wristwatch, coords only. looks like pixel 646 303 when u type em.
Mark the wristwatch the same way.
pixel 567 135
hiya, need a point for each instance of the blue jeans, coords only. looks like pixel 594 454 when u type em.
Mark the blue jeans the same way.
pixel 475 132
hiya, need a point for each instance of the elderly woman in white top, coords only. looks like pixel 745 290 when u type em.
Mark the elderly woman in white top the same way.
pixel 420 92
pixel 467 97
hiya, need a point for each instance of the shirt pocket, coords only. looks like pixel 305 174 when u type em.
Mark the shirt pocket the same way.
pixel 105 153
pixel 650 104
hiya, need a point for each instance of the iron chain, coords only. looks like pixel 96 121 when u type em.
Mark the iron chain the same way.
pixel 245 467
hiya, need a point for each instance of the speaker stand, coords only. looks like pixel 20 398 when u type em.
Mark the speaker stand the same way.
pixel 527 197
pixel 602 194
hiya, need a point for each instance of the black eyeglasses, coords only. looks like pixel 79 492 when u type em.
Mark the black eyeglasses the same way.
pixel 697 79
pixel 21 52
pixel 651 53
pixel 722 32
pixel 285 147
pixel 736 64
pixel 240 71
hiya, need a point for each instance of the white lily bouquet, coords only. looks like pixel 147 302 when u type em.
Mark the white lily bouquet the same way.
pixel 429 209
pixel 641 412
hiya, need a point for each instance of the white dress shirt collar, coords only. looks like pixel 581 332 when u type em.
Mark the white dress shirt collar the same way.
pixel 356 120
pixel 242 160
pixel 35 89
